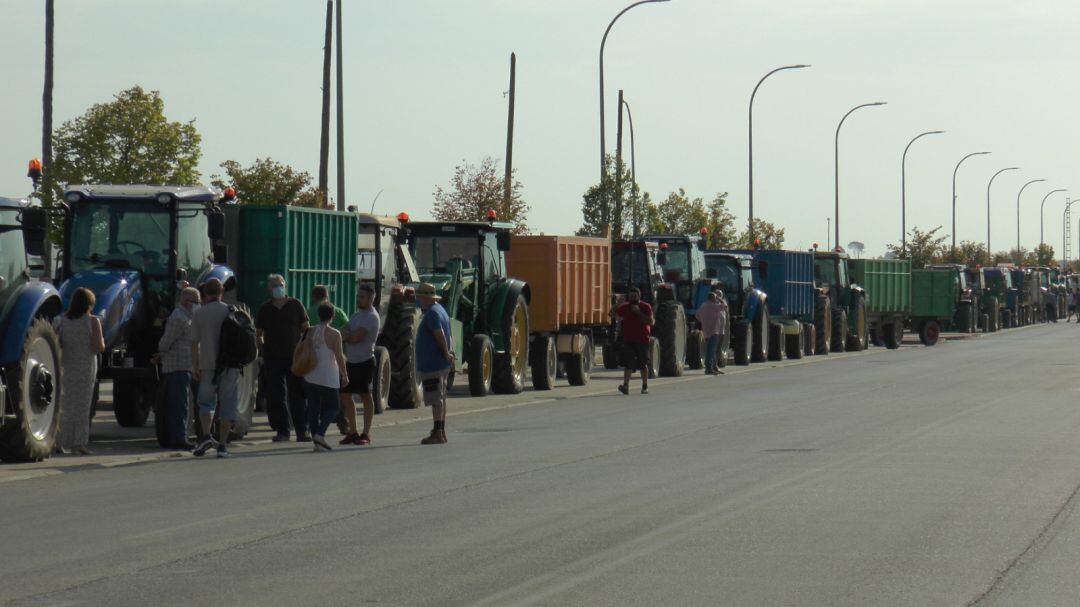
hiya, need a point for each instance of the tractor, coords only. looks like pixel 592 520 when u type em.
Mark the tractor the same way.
pixel 847 300
pixel 635 264
pixel 747 312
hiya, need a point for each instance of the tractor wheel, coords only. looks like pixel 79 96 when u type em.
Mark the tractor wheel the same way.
pixel 742 342
pixel 776 341
pixel 35 397
pixel 839 330
pixel 722 349
pixel 511 365
pixel 994 314
pixel 809 339
pixel 857 340
pixel 247 395
pixel 695 349
pixel 579 366
pixel 671 331
pixel 894 334
pixel 544 361
pixel 399 333
pixel 965 314
pixel 760 351
pixel 929 333
pixel 1006 319
pixel 132 401
pixel 610 354
pixel 877 334
pixel 984 321
pixel 481 360
pixel 822 324
pixel 793 343
pixel 380 380
pixel 654 358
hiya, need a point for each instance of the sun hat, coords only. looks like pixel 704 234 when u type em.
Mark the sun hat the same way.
pixel 427 289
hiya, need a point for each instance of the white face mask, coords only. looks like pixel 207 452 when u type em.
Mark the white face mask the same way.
pixel 278 292
pixel 195 307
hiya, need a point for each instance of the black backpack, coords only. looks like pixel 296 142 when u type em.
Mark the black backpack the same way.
pixel 237 347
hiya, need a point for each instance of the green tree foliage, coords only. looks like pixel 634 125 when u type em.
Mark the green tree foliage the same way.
pixel 679 214
pixel 474 189
pixel 770 236
pixel 267 181
pixel 922 247
pixel 603 196
pixel 1044 255
pixel 970 253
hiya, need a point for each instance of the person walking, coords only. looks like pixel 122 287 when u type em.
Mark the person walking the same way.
pixel 278 325
pixel 1074 304
pixel 319 295
pixel 219 389
pixel 321 384
pixel 174 348
pixel 637 320
pixel 359 336
pixel 712 316
pixel 81 340
pixel 434 359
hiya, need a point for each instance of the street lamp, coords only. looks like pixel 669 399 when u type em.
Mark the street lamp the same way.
pixel 989 251
pixel 1022 188
pixel 1042 206
pixel 633 167
pixel 836 164
pixel 903 188
pixel 800 66
pixel 954 193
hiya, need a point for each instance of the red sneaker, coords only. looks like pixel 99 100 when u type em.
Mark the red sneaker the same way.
pixel 363 439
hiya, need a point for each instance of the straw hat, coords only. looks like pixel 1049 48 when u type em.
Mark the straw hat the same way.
pixel 427 289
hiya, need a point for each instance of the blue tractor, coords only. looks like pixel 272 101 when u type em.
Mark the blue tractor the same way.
pixel 135 247
pixel 30 369
pixel 748 312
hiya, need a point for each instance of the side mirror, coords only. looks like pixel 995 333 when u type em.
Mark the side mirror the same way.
pixel 502 241
pixel 221 254
pixel 215 229
pixel 35 223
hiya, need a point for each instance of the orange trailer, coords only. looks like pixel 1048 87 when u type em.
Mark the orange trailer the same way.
pixel 569 278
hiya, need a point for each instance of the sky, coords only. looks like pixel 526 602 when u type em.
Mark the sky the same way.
pixel 425 83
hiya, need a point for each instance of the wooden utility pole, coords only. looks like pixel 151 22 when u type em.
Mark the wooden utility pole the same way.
pixel 324 144
pixel 340 119
pixel 47 93
pixel 508 179
pixel 616 219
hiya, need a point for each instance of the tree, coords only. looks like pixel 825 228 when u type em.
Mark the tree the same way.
pixel 721 224
pixel 970 253
pixel 768 235
pixel 856 248
pixel 603 196
pixel 127 140
pixel 922 247
pixel 267 181
pixel 474 190
pixel 678 214
pixel 1044 255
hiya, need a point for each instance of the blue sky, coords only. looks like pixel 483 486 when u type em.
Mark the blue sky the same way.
pixel 425 82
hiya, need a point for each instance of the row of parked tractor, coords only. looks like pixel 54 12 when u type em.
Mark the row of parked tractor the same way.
pixel 523 308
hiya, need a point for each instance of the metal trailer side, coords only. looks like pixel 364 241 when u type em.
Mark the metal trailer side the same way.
pixel 888 296
pixel 934 295
pixel 787 278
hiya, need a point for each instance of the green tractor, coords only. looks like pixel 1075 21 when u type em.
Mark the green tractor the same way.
pixel 489 311
pixel 850 323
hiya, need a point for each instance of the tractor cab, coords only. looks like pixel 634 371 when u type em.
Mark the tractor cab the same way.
pixel 383 258
pixel 962 278
pixel 831 275
pixel 636 264
pixel 734 276
pixel 685 272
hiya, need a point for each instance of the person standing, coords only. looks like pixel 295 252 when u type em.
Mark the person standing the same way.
pixel 359 335
pixel 637 320
pixel 219 389
pixel 321 384
pixel 319 295
pixel 174 349
pixel 279 324
pixel 712 316
pixel 1074 304
pixel 434 359
pixel 81 340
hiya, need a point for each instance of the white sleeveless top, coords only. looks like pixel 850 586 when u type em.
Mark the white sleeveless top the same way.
pixel 326 371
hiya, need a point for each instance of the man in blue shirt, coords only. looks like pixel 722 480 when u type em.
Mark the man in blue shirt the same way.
pixel 434 359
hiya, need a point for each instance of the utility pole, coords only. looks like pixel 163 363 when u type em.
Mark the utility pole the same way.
pixel 46 124
pixel 616 220
pixel 324 142
pixel 340 120
pixel 509 177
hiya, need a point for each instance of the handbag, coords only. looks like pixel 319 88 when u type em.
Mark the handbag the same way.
pixel 304 360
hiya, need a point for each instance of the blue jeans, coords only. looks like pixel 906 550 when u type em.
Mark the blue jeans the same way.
pixel 711 344
pixel 222 394
pixel 285 396
pixel 322 407
pixel 177 397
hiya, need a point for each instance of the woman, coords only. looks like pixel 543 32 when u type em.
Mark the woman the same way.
pixel 321 384
pixel 81 340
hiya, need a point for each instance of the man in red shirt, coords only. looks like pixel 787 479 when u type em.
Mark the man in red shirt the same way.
pixel 637 321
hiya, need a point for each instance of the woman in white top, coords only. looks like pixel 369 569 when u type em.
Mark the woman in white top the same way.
pixel 321 384
pixel 81 338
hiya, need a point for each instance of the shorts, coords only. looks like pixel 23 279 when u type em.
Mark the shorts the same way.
pixel 635 355
pixel 359 377
pixel 434 387
pixel 222 394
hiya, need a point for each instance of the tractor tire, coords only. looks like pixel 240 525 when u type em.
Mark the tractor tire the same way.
pixel 579 366
pixel 995 315
pixel 399 333
pixel 822 324
pixel 929 333
pixel 132 401
pixel 512 365
pixel 722 350
pixel 984 320
pixel 793 344
pixel 809 339
pixel 839 331
pixel 247 395
pixel 1007 319
pixel 742 342
pixel 654 358
pixel 894 334
pixel 670 329
pixel 759 353
pixel 610 354
pixel 965 315
pixel 695 349
pixel 34 396
pixel 544 361
pixel 776 342
pixel 858 340
pixel 481 358
pixel 877 335
pixel 380 380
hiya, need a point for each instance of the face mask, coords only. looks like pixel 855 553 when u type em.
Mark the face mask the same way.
pixel 195 307
pixel 278 292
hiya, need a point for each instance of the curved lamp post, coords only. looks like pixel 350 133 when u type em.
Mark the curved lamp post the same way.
pixel 989 251
pixel 633 167
pixel 1022 188
pixel 836 165
pixel 954 193
pixel 903 188
pixel 1042 206
pixel 750 139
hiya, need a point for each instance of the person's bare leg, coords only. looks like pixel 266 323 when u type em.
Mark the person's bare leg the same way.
pixel 369 413
pixel 207 420
pixel 348 409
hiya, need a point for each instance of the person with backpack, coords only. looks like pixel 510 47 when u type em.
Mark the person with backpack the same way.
pixel 279 324
pixel 218 388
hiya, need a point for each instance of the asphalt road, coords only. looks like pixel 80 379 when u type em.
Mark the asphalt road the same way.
pixel 924 476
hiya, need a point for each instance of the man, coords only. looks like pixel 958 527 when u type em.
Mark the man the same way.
pixel 434 359
pixel 174 349
pixel 359 336
pixel 280 323
pixel 712 316
pixel 637 320
pixel 320 295
pixel 218 389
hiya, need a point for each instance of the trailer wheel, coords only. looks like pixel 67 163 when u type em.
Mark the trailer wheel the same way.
pixel 857 340
pixel 654 358
pixel 671 331
pixel 743 342
pixel 794 344
pixel 544 361
pixel 760 350
pixel 809 339
pixel 839 330
pixel 402 324
pixel 695 349
pixel 776 342
pixel 132 401
pixel 35 397
pixel 929 333
pixel 894 334
pixel 511 365
pixel 610 354
pixel 481 359
pixel 822 324
pixel 579 366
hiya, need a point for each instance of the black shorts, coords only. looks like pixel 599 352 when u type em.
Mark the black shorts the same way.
pixel 635 355
pixel 359 377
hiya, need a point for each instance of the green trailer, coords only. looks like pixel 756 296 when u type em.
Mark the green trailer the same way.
pixel 935 295
pixel 887 283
